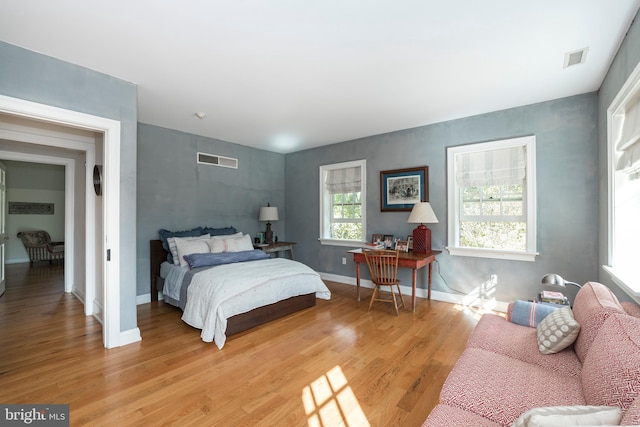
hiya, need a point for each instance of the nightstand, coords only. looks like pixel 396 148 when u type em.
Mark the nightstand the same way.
pixel 277 247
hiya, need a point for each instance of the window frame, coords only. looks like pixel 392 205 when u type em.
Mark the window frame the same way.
pixel 629 283
pixel 529 192
pixel 325 204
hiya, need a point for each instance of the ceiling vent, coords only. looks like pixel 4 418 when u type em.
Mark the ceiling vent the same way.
pixel 576 57
pixel 215 160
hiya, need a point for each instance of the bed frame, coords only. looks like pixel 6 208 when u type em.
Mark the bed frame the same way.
pixel 239 322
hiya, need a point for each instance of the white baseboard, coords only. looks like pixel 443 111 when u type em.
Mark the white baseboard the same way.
pixel 130 336
pixel 466 300
pixel 16 261
pixel 145 298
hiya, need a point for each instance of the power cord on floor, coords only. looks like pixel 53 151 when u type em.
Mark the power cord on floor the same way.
pixel 445 280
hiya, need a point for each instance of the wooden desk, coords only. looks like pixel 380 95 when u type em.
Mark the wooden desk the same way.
pixel 277 247
pixel 407 260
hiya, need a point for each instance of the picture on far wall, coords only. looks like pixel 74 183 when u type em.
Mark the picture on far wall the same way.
pixel 400 189
pixel 31 208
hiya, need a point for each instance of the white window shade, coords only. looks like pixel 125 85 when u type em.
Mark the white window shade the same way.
pixel 505 166
pixel 628 146
pixel 347 180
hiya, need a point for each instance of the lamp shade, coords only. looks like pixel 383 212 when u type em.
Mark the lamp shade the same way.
pixel 421 213
pixel 268 213
pixel 552 279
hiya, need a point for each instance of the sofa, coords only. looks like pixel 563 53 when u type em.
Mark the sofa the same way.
pixel 502 377
pixel 39 246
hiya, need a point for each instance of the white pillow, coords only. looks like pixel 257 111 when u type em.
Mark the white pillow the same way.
pixel 188 247
pixel 561 416
pixel 235 244
pixel 228 236
pixel 171 241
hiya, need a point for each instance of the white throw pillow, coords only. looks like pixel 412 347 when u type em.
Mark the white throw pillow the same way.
pixel 188 247
pixel 557 331
pixel 171 241
pixel 235 244
pixel 228 236
pixel 561 416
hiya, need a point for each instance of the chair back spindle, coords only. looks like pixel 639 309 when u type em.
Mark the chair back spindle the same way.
pixel 383 268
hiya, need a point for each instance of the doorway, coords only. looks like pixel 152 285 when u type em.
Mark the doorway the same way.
pixel 99 239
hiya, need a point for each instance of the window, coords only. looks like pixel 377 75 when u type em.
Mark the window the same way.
pixel 624 185
pixel 342 203
pixel 492 199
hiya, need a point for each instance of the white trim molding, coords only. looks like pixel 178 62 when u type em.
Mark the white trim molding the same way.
pixel 459 299
pixel 111 131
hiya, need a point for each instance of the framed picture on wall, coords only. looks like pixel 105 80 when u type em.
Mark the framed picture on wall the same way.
pixel 400 189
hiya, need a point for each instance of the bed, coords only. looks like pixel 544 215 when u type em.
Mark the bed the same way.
pixel 219 299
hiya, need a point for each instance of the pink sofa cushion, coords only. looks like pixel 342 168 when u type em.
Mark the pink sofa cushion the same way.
pixel 500 388
pixel 494 333
pixel 611 370
pixel 594 303
pixel 631 308
pixel 631 416
pixel 444 415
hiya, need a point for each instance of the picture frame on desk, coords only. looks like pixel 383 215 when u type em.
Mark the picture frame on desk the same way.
pixel 388 241
pixel 400 189
pixel 402 246
pixel 410 242
pixel 376 239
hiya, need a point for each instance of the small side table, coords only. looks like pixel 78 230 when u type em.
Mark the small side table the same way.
pixel 277 247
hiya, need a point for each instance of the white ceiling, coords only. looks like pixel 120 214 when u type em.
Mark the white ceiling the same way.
pixel 286 75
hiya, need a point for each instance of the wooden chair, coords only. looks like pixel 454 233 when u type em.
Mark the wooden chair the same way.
pixel 383 267
pixel 40 247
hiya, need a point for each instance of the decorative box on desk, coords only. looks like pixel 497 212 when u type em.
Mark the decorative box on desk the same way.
pixel 277 247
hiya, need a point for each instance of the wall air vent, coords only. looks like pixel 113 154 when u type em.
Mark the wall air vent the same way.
pixel 576 57
pixel 215 160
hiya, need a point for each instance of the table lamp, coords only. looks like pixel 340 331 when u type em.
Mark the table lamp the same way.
pixel 268 213
pixel 420 214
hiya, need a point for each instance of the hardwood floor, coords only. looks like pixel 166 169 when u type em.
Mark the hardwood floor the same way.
pixel 334 364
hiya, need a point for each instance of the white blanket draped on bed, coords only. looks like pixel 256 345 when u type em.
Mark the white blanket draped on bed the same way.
pixel 226 290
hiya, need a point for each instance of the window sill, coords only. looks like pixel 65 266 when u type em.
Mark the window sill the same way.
pixel 623 281
pixel 346 243
pixel 493 253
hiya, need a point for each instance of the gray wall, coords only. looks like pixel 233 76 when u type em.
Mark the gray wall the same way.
pixel 176 193
pixel 626 60
pixel 567 187
pixel 46 80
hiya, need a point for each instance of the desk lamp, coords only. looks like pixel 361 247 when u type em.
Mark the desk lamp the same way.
pixel 552 279
pixel 420 214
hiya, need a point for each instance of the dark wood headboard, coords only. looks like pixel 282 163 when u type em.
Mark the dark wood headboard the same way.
pixel 157 255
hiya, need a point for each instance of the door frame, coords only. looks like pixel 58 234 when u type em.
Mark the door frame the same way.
pixel 111 197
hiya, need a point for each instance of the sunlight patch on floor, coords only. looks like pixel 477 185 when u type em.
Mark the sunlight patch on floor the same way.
pixel 329 401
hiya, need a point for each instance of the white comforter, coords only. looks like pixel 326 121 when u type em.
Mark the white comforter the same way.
pixel 226 290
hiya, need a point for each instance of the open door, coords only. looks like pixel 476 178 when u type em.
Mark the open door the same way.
pixel 3 231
